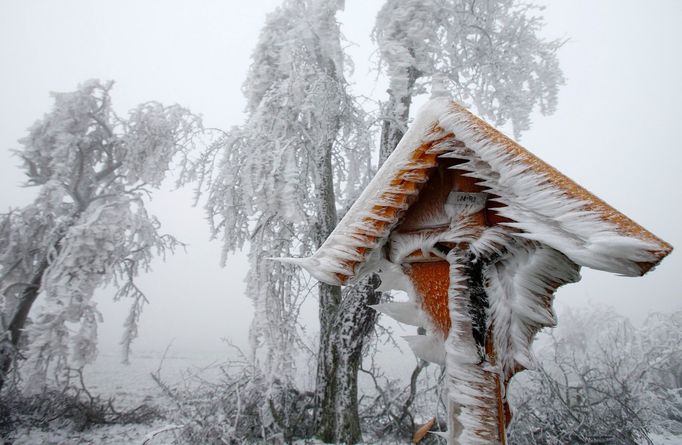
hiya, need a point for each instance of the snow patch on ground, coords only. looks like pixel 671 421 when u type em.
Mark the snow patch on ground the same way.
pixel 130 386
pixel 104 435
pixel 660 439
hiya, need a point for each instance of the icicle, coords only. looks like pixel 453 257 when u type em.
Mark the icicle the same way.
pixel 427 347
pixel 472 388
pixel 520 288
pixel 312 266
pixel 393 278
pixel 404 312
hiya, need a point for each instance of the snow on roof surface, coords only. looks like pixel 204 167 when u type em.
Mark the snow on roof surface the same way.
pixel 543 204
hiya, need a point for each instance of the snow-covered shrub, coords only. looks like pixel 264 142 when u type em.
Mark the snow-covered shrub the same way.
pixel 601 380
pixel 242 407
pixel 72 406
pixel 394 408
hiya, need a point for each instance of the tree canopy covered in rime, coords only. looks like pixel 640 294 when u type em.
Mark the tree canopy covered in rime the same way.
pixel 277 181
pixel 302 152
pixel 88 225
pixel 488 54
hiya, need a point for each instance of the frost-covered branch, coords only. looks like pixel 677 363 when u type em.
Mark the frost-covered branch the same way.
pixel 275 181
pixel 486 54
pixel 595 382
pixel 88 226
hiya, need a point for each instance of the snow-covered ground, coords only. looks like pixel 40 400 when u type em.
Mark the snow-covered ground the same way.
pixel 130 385
pixel 104 435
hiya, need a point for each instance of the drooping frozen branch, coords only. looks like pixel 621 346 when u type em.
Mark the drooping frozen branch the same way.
pixel 88 226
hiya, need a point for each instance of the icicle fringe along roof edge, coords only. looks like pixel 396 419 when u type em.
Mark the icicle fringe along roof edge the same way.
pixel 543 204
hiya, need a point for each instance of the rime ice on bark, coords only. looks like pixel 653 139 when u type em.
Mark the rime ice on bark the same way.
pixel 281 176
pixel 458 196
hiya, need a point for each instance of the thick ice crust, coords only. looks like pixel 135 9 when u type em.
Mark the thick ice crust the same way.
pixel 542 204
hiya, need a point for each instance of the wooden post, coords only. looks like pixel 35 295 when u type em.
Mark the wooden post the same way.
pixel 451 294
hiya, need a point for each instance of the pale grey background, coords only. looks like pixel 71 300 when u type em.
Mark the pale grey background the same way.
pixel 615 132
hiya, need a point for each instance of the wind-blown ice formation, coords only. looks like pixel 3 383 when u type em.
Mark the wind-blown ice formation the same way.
pixel 539 201
pixel 481 266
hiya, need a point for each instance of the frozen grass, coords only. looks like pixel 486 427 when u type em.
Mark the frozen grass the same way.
pixel 132 385
pixel 104 435
pixel 129 386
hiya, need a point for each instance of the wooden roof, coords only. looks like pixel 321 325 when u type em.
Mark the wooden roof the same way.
pixel 537 200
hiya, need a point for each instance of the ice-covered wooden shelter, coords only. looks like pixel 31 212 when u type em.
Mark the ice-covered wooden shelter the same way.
pixel 480 233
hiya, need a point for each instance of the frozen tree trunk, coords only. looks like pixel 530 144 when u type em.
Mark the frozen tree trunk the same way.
pixel 16 325
pixel 327 364
pixel 329 300
pixel 396 114
pixel 345 322
pixel 339 420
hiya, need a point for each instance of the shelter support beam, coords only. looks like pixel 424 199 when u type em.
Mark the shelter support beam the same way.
pixel 476 402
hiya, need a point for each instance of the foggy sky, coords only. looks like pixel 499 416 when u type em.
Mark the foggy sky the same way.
pixel 615 131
